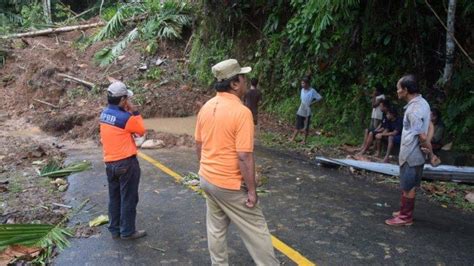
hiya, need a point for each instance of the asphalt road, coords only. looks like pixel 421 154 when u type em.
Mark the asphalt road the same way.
pixel 327 216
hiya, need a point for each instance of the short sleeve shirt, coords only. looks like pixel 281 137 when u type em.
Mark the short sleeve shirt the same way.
pixel 224 127
pixel 377 112
pixel 116 129
pixel 396 125
pixel 307 97
pixel 415 122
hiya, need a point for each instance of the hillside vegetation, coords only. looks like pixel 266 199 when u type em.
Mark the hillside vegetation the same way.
pixel 346 46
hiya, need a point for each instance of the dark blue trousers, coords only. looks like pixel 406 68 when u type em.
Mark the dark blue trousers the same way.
pixel 123 177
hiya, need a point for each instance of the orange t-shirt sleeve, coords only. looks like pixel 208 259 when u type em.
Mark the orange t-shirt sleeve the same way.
pixel 244 136
pixel 197 131
pixel 135 125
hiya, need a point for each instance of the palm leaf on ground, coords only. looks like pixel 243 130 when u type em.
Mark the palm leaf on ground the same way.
pixel 108 55
pixel 36 235
pixel 54 169
pixel 44 236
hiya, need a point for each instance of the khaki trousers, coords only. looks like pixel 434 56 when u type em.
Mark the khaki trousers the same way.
pixel 225 206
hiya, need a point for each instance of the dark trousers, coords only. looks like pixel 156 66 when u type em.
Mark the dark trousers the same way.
pixel 123 177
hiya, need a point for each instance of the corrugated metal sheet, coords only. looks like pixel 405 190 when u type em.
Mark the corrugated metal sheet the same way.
pixel 441 172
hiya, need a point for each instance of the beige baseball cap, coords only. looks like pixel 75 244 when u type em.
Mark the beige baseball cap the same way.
pixel 228 68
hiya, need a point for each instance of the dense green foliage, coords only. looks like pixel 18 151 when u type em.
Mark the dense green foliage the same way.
pixel 147 20
pixel 19 15
pixel 155 20
pixel 27 15
pixel 346 46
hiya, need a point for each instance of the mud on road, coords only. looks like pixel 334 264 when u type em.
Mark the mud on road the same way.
pixel 25 197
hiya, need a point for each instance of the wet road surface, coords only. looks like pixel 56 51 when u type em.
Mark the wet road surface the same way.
pixel 326 215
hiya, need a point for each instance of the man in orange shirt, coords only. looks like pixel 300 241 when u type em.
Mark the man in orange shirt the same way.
pixel 224 145
pixel 118 122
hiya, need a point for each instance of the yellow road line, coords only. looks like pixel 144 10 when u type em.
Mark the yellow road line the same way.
pixel 160 166
pixel 294 255
pixel 165 169
pixel 291 253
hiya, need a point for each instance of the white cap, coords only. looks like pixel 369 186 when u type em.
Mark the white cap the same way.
pixel 118 89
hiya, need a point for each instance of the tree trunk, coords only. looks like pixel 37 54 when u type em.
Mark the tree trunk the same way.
pixel 450 45
pixel 52 30
pixel 47 11
pixel 64 29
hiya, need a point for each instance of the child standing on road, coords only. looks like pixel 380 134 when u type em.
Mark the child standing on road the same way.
pixel 308 96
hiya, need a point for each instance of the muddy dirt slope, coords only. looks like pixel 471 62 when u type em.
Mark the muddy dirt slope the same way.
pixel 34 86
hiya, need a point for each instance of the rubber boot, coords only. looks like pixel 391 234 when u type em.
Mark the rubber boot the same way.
pixel 406 213
pixel 395 214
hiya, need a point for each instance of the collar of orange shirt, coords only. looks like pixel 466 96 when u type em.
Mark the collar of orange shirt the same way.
pixel 229 96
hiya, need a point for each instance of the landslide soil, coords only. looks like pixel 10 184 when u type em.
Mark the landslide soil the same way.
pixel 36 99
pixel 31 75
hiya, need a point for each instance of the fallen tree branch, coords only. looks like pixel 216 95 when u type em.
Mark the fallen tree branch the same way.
pixel 46 103
pixel 83 82
pixel 65 29
pixel 52 30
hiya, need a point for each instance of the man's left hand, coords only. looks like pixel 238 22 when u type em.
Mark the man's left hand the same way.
pixel 252 199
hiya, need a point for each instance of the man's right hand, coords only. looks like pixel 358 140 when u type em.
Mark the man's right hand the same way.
pixel 130 107
pixel 252 199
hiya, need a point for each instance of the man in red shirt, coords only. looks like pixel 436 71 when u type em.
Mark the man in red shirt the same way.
pixel 224 145
pixel 118 122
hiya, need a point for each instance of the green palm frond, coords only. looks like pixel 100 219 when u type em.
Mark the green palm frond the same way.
pixel 150 27
pixel 54 168
pixel 108 55
pixel 163 20
pixel 44 236
pixel 116 24
pixel 37 235
pixel 170 31
pixel 169 21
